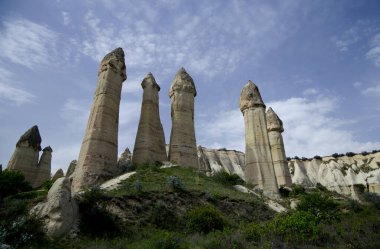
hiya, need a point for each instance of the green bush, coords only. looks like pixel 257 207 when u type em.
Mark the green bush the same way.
pixel 166 240
pixel 174 183
pixel 372 198
pixel 47 185
pixel 163 217
pixel 227 179
pixel 322 207
pixel 225 239
pixel 12 182
pixel 204 219
pixel 297 190
pixel 254 232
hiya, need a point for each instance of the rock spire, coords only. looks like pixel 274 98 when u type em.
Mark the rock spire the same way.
pixel 275 128
pixel 150 140
pixel 182 148
pixel 259 168
pixel 97 160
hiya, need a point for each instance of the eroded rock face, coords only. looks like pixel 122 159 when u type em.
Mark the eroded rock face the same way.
pixel 259 168
pixel 214 160
pixel 57 174
pixel 71 168
pixel 280 163
pixel 44 167
pixel 150 140
pixel 183 148
pixel 97 160
pixel 125 161
pixel 59 211
pixel 25 157
pixel 341 174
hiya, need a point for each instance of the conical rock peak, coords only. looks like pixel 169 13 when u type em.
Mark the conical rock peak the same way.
pixel 32 136
pixel 182 82
pixel 250 97
pixel 274 123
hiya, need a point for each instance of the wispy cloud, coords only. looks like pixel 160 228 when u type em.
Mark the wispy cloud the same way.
pixel 10 92
pixel 374 53
pixel 372 91
pixel 66 18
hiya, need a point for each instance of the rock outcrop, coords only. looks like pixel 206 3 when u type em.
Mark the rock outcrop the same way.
pixel 280 163
pixel 214 160
pixel 125 161
pixel 150 140
pixel 58 174
pixel 26 155
pixel 183 148
pixel 60 211
pixel 44 167
pixel 71 168
pixel 342 174
pixel 97 160
pixel 259 168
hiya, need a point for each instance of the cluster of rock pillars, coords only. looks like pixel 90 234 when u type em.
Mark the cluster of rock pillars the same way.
pixel 265 160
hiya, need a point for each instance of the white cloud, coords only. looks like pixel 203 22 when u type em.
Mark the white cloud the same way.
pixel 66 18
pixel 11 93
pixel 374 53
pixel 310 91
pixel 372 91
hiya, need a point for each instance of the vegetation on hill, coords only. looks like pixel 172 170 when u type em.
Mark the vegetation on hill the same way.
pixel 180 208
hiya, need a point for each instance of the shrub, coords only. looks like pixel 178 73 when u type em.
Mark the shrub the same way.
pixel 296 158
pixel 297 190
pixel 136 185
pixel 317 157
pixel 47 185
pixel 350 154
pixel 227 179
pixel 373 198
pixel 254 232
pixel 163 217
pixel 284 192
pixel 225 239
pixel 304 159
pixel 204 219
pixel 364 153
pixel 288 158
pixel 335 155
pixel 174 183
pixel 322 207
pixel 166 240
pixel 12 182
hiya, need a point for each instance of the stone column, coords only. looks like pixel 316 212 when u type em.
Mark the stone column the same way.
pixel 97 160
pixel 258 158
pixel 150 140
pixel 44 167
pixel 183 148
pixel 25 157
pixel 275 128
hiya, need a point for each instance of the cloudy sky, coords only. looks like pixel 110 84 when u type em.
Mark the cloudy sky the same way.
pixel 316 63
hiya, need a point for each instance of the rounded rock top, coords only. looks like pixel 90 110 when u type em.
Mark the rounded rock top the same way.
pixel 274 123
pixel 250 97
pixel 182 82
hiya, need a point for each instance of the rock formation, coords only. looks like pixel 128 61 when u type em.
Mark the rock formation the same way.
pixel 71 168
pixel 125 161
pixel 25 156
pixel 259 168
pixel 150 140
pixel 58 174
pixel 60 211
pixel 213 160
pixel 183 148
pixel 97 160
pixel 44 167
pixel 280 163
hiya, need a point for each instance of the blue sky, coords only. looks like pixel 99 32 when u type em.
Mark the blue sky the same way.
pixel 316 63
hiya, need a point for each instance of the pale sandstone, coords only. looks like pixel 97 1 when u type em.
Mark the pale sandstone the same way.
pixel 183 149
pixel 26 154
pixel 44 167
pixel 71 168
pixel 150 140
pixel 97 160
pixel 280 163
pixel 60 211
pixel 259 168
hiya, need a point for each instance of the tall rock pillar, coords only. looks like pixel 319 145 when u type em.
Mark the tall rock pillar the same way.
pixel 258 158
pixel 44 167
pixel 150 139
pixel 275 128
pixel 183 148
pixel 97 160
pixel 25 157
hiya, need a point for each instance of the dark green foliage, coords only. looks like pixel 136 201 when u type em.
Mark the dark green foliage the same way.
pixel 364 153
pixel 174 183
pixel 372 198
pixel 166 240
pixel 321 187
pixel 47 185
pixel 335 155
pixel 350 154
pixel 304 159
pixel 163 217
pixel 355 206
pixel 136 185
pixel 227 179
pixel 322 207
pixel 297 190
pixel 204 219
pixel 296 158
pixel 226 239
pixel 317 157
pixel 12 182
pixel 95 220
pixel 284 192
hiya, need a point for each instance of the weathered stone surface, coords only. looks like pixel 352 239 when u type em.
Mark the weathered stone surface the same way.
pixel 280 163
pixel 97 160
pixel 341 174
pixel 214 160
pixel 71 168
pixel 150 140
pixel 25 156
pixel 59 211
pixel 44 167
pixel 183 148
pixel 58 174
pixel 125 161
pixel 259 168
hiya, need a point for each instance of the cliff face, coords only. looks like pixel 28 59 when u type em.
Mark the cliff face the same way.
pixel 339 174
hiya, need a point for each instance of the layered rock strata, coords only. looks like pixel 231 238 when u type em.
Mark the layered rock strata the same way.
pixel 280 163
pixel 259 168
pixel 25 157
pixel 97 160
pixel 44 167
pixel 182 148
pixel 150 140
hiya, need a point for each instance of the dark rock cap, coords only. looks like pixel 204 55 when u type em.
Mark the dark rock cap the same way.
pixel 33 137
pixel 250 97
pixel 118 53
pixel 182 81
pixel 48 148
